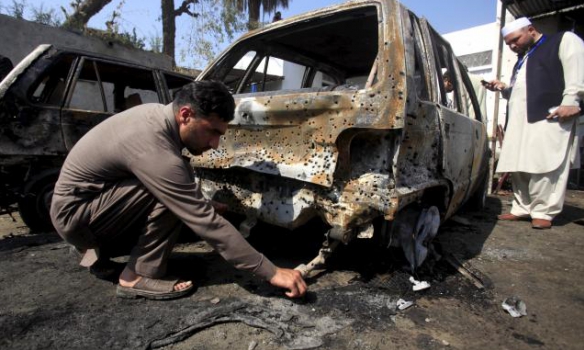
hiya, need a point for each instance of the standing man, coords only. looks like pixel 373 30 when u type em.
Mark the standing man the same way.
pixel 545 97
pixel 125 183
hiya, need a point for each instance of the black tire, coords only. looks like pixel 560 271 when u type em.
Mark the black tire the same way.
pixel 34 206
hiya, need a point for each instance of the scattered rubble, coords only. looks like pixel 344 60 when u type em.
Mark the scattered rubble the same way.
pixel 300 331
pixel 402 304
pixel 515 306
pixel 419 285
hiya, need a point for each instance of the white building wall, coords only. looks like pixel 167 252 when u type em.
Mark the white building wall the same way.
pixel 475 39
pixel 481 39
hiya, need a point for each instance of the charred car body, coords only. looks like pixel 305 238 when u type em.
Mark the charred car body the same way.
pixel 342 115
pixel 51 99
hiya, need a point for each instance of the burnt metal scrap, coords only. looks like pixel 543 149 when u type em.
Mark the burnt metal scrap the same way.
pixel 364 135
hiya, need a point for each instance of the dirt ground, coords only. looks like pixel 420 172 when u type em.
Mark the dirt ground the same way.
pixel 48 301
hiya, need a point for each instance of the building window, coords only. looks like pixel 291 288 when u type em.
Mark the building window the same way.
pixel 477 59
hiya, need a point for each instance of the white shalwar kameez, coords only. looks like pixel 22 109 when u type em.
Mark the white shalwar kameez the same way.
pixel 541 154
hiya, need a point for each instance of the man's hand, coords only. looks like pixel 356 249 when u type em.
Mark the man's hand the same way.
pixel 290 280
pixel 494 85
pixel 563 113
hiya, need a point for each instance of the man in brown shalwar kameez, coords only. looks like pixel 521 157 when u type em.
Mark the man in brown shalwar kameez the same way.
pixel 128 172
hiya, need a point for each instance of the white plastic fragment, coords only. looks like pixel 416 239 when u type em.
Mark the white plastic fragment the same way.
pixel 515 306
pixel 402 304
pixel 252 345
pixel 419 285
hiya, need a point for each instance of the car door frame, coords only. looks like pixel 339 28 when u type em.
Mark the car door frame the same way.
pixel 459 133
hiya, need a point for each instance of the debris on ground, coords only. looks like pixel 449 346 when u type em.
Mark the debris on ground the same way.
pixel 359 288
pixel 299 332
pixel 398 304
pixel 419 285
pixel 402 304
pixel 515 306
pixel 465 271
pixel 252 345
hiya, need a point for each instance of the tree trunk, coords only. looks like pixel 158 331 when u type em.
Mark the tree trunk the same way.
pixel 87 9
pixel 254 14
pixel 168 28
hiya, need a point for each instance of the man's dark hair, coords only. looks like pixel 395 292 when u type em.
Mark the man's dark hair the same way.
pixel 206 97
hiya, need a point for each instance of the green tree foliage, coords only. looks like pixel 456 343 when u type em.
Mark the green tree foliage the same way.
pixel 206 28
pixel 77 18
pixel 155 43
pixel 47 17
pixel 220 24
pixel 254 7
pixel 17 8
pixel 83 10
pixel 209 32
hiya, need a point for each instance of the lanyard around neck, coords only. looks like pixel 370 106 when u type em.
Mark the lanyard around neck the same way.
pixel 535 46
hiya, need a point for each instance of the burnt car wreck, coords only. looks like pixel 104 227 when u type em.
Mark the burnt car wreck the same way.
pixel 342 115
pixel 51 99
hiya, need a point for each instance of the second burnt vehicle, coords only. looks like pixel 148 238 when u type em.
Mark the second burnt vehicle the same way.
pixel 342 115
pixel 51 99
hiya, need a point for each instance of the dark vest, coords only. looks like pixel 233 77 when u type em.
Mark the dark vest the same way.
pixel 545 79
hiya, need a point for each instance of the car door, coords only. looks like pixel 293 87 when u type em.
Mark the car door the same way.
pixel 457 130
pixel 171 82
pixel 100 88
pixel 480 164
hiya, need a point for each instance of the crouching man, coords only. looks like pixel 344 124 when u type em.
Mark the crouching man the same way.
pixel 126 181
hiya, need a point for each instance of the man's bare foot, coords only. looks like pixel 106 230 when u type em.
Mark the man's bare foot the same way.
pixel 129 278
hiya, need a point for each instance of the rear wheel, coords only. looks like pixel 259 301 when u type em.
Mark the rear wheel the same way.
pixel 413 230
pixel 35 204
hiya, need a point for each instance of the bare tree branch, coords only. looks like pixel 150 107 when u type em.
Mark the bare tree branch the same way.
pixel 84 10
pixel 184 8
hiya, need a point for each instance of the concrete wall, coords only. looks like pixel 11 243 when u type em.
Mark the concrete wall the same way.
pixel 20 37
